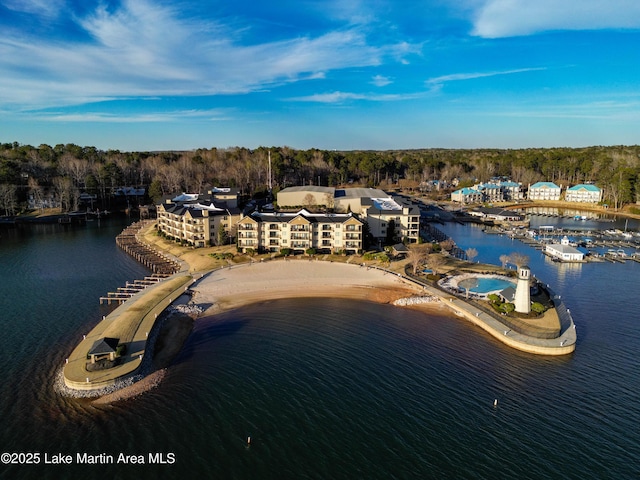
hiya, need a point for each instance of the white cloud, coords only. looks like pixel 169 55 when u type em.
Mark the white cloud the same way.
pixel 381 81
pixel 342 97
pixel 506 18
pixel 47 8
pixel 437 82
pixel 144 49
pixel 212 115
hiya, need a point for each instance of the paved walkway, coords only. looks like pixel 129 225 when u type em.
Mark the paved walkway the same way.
pixel 131 322
pixel 561 345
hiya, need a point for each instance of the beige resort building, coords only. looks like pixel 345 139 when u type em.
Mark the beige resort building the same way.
pixel 197 221
pixel 372 205
pixel 300 231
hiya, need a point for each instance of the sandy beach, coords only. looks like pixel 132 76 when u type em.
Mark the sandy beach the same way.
pixel 234 287
pixel 240 285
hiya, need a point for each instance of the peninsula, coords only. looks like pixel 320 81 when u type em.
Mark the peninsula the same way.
pixel 124 337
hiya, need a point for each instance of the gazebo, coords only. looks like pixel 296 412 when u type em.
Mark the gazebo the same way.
pixel 104 348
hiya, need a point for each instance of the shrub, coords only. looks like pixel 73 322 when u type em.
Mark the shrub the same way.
pixel 537 307
pixel 495 299
pixel 310 251
pixel 508 308
pixel 285 251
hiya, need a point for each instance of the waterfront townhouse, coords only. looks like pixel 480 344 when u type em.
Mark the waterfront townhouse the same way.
pixel 379 209
pixel 544 191
pixel 511 190
pixel 299 232
pixel 491 192
pixel 195 221
pixel 583 193
pixel 467 195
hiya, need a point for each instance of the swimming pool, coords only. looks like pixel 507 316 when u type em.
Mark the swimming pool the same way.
pixel 478 284
pixel 486 284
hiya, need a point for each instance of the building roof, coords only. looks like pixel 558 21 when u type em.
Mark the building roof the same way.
pixel 583 186
pixel 309 188
pixel 224 190
pixel 545 185
pixel 104 346
pixel 564 249
pixel 186 197
pixel 510 184
pixel 360 193
pixel 467 191
pixel 285 217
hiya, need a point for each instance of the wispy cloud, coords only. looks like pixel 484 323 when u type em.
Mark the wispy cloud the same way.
pixel 343 97
pixel 144 49
pixel 506 18
pixel 46 8
pixel 436 83
pixel 101 117
pixel 381 81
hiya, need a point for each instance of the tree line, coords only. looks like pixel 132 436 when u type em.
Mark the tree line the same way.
pixel 69 169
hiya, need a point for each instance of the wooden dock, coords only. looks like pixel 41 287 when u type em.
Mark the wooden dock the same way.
pixel 132 288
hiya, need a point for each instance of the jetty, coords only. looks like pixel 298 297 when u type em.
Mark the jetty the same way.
pixel 115 348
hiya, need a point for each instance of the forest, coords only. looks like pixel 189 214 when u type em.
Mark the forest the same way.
pixel 69 170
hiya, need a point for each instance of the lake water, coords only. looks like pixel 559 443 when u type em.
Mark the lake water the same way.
pixel 326 388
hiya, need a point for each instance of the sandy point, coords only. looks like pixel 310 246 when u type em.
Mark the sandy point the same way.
pixel 229 288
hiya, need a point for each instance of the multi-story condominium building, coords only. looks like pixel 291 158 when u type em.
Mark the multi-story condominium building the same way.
pixel 544 191
pixel 372 205
pixel 583 193
pixel 383 213
pixel 511 190
pixel 499 191
pixel 198 222
pixel 467 195
pixel 491 192
pixel 300 231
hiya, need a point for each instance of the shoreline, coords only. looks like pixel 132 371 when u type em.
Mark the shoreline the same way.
pixel 234 286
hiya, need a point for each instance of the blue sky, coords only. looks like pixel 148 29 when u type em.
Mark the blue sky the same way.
pixel 329 74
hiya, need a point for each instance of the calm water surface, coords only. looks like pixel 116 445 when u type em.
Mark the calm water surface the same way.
pixel 326 388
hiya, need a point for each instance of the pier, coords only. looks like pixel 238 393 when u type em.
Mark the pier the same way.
pixel 131 289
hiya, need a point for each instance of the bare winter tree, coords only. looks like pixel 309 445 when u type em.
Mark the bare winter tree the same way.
pixel 8 198
pixel 417 255
pixel 519 259
pixel 435 261
pixel 504 259
pixel 447 244
pixel 472 253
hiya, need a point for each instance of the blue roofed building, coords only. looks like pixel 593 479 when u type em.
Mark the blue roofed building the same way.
pixel 544 191
pixel 467 195
pixel 583 193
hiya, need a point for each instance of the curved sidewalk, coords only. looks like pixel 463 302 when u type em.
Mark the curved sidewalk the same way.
pixel 562 345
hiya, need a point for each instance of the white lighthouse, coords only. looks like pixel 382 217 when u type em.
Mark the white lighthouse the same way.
pixel 523 300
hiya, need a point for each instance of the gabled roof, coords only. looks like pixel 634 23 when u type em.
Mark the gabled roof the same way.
pixel 545 185
pixel 509 294
pixel 286 217
pixel 104 346
pixel 583 186
pixel 467 191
